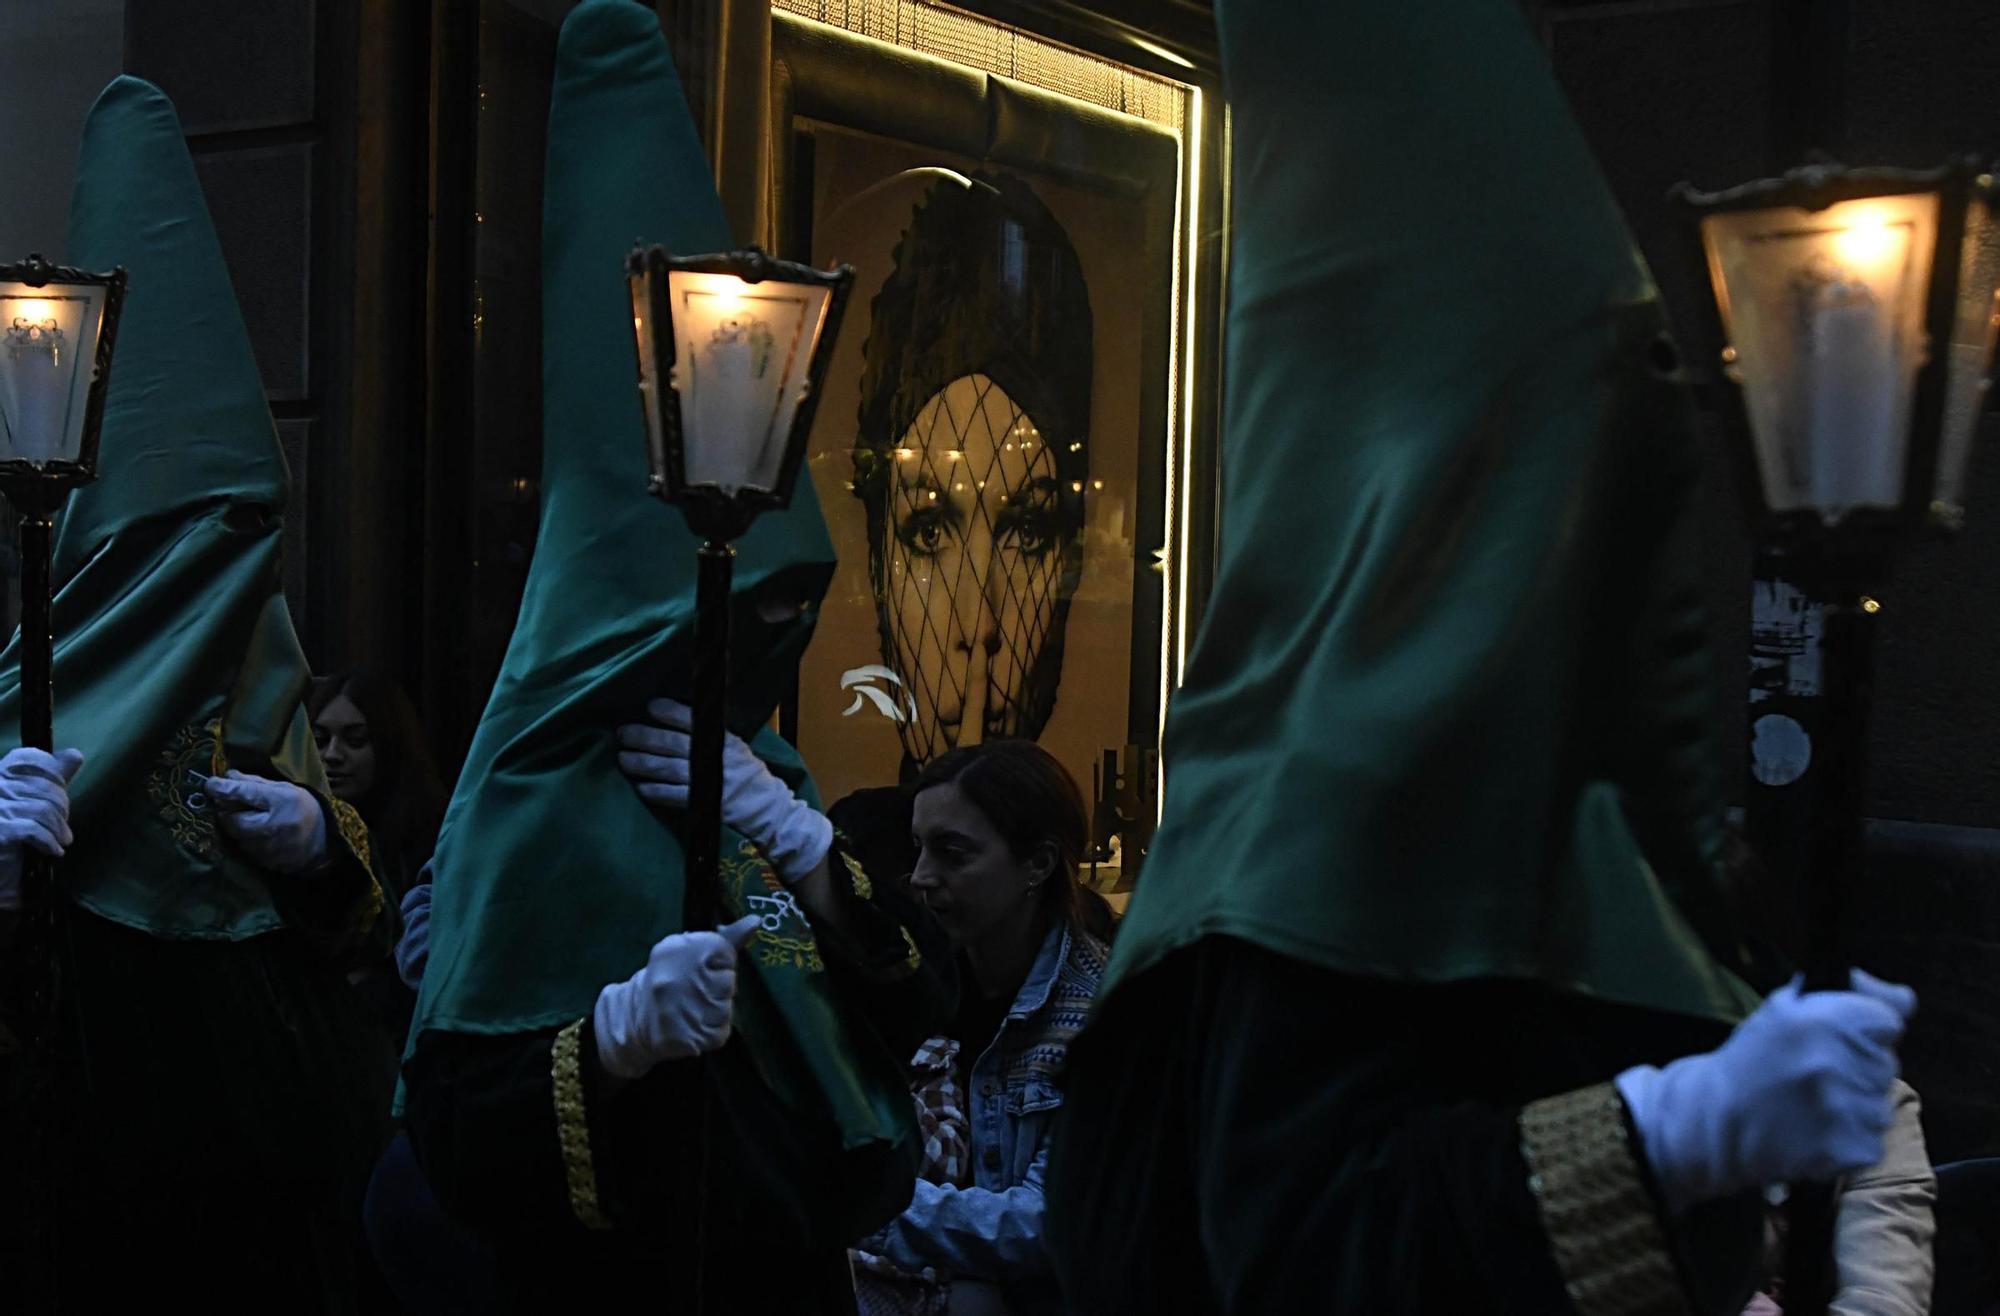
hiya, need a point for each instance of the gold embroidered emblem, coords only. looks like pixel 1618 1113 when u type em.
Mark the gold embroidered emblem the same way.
pixel 176 783
pixel 784 937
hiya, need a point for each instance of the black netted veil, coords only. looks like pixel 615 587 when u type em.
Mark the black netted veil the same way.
pixel 987 283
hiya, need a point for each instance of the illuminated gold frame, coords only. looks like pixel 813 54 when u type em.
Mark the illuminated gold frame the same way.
pixel 749 71
pixel 979 88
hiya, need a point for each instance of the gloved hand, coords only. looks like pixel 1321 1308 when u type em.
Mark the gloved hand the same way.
pixel 762 809
pixel 279 825
pixel 677 1006
pixel 34 811
pixel 1799 1092
pixel 413 949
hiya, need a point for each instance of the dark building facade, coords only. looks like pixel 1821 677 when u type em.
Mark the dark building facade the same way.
pixel 374 169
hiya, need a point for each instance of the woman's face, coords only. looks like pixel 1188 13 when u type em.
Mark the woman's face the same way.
pixel 345 748
pixel 972 553
pixel 966 872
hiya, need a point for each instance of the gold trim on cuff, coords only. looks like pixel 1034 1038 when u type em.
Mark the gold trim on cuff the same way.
pixel 858 875
pixel 367 908
pixel 914 960
pixel 573 1128
pixel 347 821
pixel 1603 1230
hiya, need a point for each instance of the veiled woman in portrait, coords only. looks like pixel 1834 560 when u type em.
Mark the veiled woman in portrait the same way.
pixel 972 459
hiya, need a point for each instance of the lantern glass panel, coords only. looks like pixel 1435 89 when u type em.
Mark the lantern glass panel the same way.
pixel 742 363
pixel 48 359
pixel 642 283
pixel 1824 313
pixel 1969 366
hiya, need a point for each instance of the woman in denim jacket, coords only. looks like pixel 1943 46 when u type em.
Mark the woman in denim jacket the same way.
pixel 1000 831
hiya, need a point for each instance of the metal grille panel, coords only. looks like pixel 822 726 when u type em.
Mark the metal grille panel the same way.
pixel 981 43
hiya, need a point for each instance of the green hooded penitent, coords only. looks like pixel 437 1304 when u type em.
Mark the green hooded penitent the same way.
pixel 175 653
pixel 1447 716
pixel 552 878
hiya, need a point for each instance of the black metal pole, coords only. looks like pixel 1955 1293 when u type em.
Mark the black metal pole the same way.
pixel 38 919
pixel 38 873
pixel 702 897
pixel 1812 669
pixel 702 902
pixel 37 644
pixel 1847 656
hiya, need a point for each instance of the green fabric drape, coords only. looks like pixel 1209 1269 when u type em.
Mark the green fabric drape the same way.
pixel 1448 713
pixel 174 649
pixel 552 878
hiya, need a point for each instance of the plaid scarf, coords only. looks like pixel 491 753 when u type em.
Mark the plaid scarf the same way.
pixel 882 1288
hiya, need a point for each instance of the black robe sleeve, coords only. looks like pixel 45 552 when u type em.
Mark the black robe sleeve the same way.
pixel 590 1194
pixel 340 905
pixel 895 969
pixel 522 1134
pixel 1239 1121
pixel 525 1131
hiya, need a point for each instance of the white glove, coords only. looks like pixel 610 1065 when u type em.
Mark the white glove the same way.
pixel 793 835
pixel 279 825
pixel 34 811
pixel 677 1006
pixel 1799 1092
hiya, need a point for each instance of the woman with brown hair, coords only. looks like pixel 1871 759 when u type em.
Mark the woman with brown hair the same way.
pixel 1000 830
pixel 378 760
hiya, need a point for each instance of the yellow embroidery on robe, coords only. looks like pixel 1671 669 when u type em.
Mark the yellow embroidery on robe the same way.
pixel 347 821
pixel 175 787
pixel 368 906
pixel 863 888
pixel 573 1128
pixel 1603 1231
pixel 784 936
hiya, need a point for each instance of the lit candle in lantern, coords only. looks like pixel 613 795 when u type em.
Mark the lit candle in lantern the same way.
pixel 38 375
pixel 1850 383
pixel 734 362
pixel 1856 310
pixel 739 342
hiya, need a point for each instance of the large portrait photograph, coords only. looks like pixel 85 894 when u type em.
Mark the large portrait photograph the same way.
pixel 990 444
pixel 977 458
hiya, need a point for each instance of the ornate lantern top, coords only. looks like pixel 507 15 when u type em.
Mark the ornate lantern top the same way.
pixel 57 328
pixel 732 352
pixel 1856 308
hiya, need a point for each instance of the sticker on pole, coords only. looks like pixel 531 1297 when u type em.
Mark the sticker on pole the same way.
pixel 1780 750
pixel 1785 631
